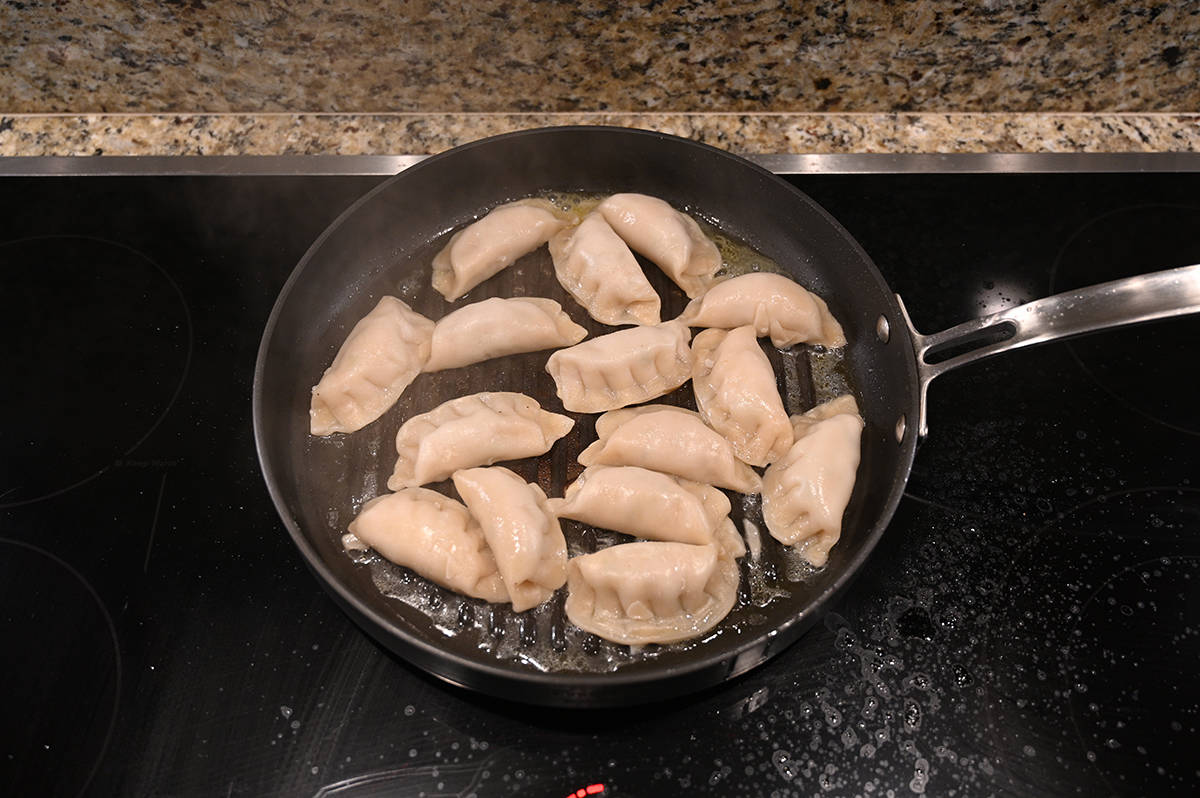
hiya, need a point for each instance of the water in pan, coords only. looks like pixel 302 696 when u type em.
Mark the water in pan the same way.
pixel 542 638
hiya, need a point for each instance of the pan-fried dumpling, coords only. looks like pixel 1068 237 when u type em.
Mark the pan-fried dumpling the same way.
pixel 672 440
pixel 523 534
pixel 645 504
pixel 622 368
pixel 474 430
pixel 436 537
pixel 805 493
pixel 651 592
pixel 736 394
pixel 672 240
pixel 773 304
pixel 376 362
pixel 497 327
pixel 596 267
pixel 492 243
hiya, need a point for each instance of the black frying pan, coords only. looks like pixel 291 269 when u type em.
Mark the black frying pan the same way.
pixel 384 244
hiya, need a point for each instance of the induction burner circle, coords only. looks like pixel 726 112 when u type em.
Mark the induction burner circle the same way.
pixel 62 668
pixel 1146 368
pixel 1095 637
pixel 1133 640
pixel 97 343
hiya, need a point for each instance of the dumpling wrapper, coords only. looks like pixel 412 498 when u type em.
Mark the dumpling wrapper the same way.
pixel 773 304
pixel 805 493
pixel 522 532
pixel 436 537
pixel 651 592
pixel 670 239
pixel 596 267
pixel 622 368
pixel 484 247
pixel 737 395
pixel 475 430
pixel 643 503
pixel 380 357
pixel 672 440
pixel 498 327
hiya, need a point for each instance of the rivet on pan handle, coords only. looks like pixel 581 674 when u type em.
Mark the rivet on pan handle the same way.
pixel 1158 295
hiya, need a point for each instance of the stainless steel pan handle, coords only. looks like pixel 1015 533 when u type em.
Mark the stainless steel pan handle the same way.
pixel 1158 295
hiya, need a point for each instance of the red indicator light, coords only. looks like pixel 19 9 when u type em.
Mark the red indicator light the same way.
pixel 583 792
pixel 580 793
pixel 594 789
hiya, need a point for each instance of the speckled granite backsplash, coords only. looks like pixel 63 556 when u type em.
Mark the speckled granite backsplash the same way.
pixel 359 77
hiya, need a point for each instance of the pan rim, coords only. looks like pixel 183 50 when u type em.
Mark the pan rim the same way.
pixel 770 640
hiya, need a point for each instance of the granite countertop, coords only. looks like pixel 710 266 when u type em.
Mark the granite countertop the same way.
pixel 353 77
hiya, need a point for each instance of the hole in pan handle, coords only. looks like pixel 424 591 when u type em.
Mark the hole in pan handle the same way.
pixel 1158 295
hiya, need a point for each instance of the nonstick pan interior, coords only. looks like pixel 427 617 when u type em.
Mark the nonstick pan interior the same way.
pixel 384 244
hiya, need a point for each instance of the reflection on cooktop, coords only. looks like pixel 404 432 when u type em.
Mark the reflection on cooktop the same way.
pixel 98 340
pixel 1146 376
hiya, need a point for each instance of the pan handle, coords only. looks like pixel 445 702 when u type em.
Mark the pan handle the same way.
pixel 1158 295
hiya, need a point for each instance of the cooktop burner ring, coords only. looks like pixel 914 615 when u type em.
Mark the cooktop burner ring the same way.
pixel 1085 708
pixel 89 317
pixel 71 740
pixel 1051 658
pixel 1123 242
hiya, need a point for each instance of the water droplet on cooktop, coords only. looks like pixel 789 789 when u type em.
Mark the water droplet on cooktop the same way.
pixel 1147 368
pixel 97 342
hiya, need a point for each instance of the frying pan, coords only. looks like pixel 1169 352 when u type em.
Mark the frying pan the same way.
pixel 384 244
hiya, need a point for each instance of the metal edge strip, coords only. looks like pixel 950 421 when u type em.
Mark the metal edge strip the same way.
pixel 979 163
pixel 818 164
pixel 204 165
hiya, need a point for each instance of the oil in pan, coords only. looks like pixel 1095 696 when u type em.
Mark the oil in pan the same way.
pixel 542 638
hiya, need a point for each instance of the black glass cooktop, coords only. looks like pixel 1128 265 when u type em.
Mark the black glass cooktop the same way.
pixel 1029 626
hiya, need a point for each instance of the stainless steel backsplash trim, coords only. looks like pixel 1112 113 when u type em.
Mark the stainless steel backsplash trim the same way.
pixel 872 163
